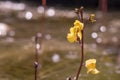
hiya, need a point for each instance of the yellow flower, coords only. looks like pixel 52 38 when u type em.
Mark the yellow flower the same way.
pixel 92 18
pixel 91 66
pixel 75 31
pixel 79 35
pixel 71 37
pixel 79 25
pixel 72 30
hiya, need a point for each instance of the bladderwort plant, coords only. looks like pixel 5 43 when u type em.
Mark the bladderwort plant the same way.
pixel 37 48
pixel 77 35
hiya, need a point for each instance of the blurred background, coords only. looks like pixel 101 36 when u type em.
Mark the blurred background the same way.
pixel 22 20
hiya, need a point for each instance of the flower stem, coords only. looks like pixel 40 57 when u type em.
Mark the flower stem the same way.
pixel 82 45
pixel 37 46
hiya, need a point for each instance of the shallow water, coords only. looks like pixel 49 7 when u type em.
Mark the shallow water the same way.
pixel 58 59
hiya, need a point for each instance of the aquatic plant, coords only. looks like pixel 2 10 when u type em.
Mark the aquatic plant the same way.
pixel 37 48
pixel 77 35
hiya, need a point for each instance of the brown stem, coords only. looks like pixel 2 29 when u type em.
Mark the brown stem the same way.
pixel 36 56
pixel 36 66
pixel 81 13
pixel 82 46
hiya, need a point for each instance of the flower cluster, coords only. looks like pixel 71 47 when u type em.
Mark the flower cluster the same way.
pixel 75 32
pixel 91 66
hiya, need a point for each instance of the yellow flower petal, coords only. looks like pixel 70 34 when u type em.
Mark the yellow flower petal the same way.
pixel 90 63
pixel 79 25
pixel 89 70
pixel 92 18
pixel 91 66
pixel 75 32
pixel 72 30
pixel 71 37
pixel 80 35
pixel 93 71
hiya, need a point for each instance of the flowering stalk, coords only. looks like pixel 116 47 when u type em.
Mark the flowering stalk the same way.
pixel 77 35
pixel 80 15
pixel 36 64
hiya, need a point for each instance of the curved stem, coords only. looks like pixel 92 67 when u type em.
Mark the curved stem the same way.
pixel 82 57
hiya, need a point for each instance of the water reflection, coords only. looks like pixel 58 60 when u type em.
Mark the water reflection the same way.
pixel 6 31
pixel 28 15
pixel 48 37
pixel 99 40
pixel 4 28
pixel 94 35
pixel 102 28
pixel 37 46
pixel 40 9
pixel 12 6
pixel 50 12
pixel 56 58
